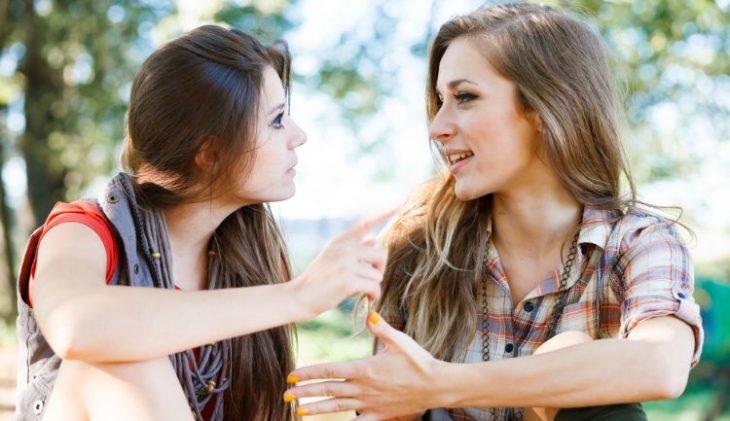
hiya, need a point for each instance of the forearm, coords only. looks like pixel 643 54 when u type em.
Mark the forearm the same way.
pixel 109 324
pixel 595 373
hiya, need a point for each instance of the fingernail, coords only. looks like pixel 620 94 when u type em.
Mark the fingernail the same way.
pixel 374 318
pixel 288 397
pixel 302 411
pixel 292 379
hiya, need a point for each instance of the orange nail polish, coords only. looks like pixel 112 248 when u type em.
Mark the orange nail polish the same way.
pixel 302 411
pixel 374 318
pixel 288 397
pixel 292 379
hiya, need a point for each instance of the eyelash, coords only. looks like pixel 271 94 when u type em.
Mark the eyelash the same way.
pixel 276 124
pixel 461 98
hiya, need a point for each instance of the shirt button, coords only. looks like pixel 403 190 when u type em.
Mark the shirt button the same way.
pixel 38 407
pixel 136 268
pixel 509 348
pixel 529 307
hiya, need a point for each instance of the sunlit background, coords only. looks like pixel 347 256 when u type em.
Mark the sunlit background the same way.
pixel 66 69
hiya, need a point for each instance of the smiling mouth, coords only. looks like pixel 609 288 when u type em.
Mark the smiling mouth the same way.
pixel 458 157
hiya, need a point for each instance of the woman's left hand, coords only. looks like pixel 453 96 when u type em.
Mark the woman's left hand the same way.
pixel 400 380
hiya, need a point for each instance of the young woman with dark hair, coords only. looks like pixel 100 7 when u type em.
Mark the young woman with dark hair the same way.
pixel 526 245
pixel 210 141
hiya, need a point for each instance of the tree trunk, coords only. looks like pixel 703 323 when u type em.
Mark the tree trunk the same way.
pixel 44 87
pixel 6 213
pixel 6 222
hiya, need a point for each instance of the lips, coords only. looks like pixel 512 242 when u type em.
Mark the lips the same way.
pixel 456 158
pixel 291 170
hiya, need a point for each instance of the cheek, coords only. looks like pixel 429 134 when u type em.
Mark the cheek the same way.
pixel 503 140
pixel 263 174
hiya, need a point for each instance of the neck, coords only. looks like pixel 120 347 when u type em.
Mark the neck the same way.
pixel 190 226
pixel 536 219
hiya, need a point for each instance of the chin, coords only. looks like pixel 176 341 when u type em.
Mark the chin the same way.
pixel 463 193
pixel 466 197
pixel 467 189
pixel 283 195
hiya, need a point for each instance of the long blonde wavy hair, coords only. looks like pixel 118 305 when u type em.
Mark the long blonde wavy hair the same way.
pixel 438 245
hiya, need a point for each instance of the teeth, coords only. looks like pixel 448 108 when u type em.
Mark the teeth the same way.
pixel 454 158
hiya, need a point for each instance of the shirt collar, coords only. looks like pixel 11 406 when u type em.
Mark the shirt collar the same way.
pixel 595 227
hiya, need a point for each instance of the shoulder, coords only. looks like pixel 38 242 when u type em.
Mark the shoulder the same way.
pixel 640 226
pixel 83 212
pixel 76 230
pixel 75 223
pixel 643 240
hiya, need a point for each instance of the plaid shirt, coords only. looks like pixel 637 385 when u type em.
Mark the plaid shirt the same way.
pixel 625 272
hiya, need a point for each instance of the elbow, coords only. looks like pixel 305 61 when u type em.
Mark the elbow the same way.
pixel 64 346
pixel 65 335
pixel 67 343
pixel 669 376
pixel 670 386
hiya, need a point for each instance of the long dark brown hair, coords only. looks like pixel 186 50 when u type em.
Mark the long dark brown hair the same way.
pixel 205 86
pixel 561 72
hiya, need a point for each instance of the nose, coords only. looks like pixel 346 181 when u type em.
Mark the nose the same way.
pixel 298 136
pixel 441 129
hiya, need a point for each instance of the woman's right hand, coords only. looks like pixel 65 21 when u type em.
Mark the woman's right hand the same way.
pixel 350 264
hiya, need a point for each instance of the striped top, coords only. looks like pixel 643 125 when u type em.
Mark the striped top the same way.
pixel 626 272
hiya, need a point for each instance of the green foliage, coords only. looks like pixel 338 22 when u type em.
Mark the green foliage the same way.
pixel 75 74
pixel 267 24
pixel 329 338
pixel 81 55
pixel 671 52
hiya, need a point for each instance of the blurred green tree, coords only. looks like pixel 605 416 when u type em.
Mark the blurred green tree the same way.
pixel 77 59
pixel 672 56
pixel 76 70
pixel 73 63
pixel 6 214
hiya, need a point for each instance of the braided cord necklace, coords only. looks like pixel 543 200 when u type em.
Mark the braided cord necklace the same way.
pixel 554 317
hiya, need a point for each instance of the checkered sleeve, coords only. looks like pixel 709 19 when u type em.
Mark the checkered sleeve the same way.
pixel 658 280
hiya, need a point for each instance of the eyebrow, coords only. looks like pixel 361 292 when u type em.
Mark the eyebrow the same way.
pixel 456 82
pixel 277 108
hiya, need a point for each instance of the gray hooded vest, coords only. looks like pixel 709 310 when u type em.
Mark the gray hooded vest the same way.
pixel 37 364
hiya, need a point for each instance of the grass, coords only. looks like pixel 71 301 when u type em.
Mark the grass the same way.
pixel 330 338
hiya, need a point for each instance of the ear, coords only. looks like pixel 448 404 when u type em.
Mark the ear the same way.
pixel 207 155
pixel 534 119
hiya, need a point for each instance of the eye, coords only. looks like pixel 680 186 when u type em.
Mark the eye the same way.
pixel 277 121
pixel 462 97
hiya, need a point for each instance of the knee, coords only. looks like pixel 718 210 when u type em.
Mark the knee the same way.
pixel 563 340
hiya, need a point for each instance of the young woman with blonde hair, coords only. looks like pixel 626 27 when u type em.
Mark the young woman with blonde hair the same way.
pixel 523 280
pixel 210 142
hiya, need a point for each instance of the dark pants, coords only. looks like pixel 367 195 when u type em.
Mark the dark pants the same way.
pixel 620 412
